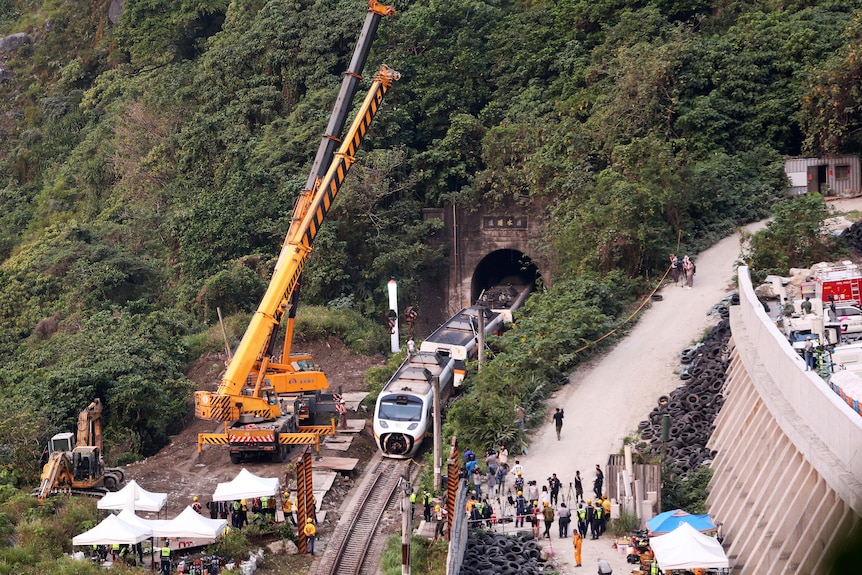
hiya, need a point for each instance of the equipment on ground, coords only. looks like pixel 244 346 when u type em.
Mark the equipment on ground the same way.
pixel 266 392
pixel 79 469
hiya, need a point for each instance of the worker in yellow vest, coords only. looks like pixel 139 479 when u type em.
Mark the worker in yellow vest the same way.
pixel 287 507
pixel 165 556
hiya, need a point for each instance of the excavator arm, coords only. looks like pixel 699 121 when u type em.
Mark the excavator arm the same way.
pixel 90 425
pixel 310 211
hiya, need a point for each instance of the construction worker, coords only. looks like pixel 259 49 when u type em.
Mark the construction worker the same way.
pixel 606 516
pixel 597 519
pixel 309 531
pixel 582 520
pixel 653 566
pixel 287 507
pixel 196 505
pixel 165 556
pixel 440 519
pixel 520 509
pixel 591 519
pixel 578 542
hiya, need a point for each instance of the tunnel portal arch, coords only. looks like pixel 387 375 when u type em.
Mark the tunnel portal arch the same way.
pixel 500 267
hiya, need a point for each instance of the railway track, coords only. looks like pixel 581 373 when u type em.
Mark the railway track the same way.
pixel 358 537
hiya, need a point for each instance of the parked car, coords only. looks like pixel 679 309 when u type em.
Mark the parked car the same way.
pixel 850 318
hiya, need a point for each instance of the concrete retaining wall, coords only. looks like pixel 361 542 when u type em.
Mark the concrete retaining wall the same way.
pixel 788 474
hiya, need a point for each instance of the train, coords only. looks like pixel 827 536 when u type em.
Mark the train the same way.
pixel 403 415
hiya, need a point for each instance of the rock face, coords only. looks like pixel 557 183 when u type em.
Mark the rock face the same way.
pixel 12 42
pixel 115 11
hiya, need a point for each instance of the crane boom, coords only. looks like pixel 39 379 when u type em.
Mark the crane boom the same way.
pixel 309 212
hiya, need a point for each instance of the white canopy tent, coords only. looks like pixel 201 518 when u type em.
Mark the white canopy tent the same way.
pixel 191 524
pixel 113 530
pixel 687 548
pixel 135 497
pixel 246 485
pixel 154 525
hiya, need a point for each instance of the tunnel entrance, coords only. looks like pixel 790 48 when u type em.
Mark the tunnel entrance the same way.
pixel 503 267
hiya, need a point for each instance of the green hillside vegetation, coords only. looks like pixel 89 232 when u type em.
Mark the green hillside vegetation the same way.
pixel 148 171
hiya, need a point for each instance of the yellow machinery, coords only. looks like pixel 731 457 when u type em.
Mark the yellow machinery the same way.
pixel 79 469
pixel 264 390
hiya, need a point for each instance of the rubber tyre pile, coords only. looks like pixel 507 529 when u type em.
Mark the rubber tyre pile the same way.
pixel 692 407
pixel 853 237
pixel 490 553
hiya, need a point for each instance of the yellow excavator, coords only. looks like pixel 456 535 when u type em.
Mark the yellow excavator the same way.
pixel 79 470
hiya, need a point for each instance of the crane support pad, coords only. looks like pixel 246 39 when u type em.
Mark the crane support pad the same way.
pixel 318 429
pixel 212 439
pixel 299 438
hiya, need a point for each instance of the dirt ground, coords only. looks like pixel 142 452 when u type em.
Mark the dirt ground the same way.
pixel 182 473
pixel 603 403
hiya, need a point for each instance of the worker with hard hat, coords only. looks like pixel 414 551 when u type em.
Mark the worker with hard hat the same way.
pixel 440 518
pixel 520 509
pixel 287 507
pixel 196 505
pixel 310 531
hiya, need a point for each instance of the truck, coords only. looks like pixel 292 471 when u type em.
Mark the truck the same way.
pixel 266 392
pixel 835 283
pixel 78 469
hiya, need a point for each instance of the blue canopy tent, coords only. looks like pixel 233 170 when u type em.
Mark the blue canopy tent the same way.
pixel 670 520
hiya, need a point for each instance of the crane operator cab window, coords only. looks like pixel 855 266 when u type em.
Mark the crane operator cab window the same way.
pixel 271 398
pixel 401 408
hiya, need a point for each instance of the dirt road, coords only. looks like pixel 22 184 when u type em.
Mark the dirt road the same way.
pixel 605 399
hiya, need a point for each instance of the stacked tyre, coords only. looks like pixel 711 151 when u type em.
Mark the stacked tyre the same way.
pixel 853 237
pixel 692 407
pixel 489 553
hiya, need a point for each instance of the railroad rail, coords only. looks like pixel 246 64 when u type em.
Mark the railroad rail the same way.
pixel 348 550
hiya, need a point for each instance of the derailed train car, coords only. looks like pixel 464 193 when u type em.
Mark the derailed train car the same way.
pixel 404 411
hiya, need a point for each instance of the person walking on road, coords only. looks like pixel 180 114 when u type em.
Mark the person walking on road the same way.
pixel 599 481
pixel 558 421
pixel 548 516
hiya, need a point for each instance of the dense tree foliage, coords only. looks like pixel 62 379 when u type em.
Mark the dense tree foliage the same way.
pixel 148 168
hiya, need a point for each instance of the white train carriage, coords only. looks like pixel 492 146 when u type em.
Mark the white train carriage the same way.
pixel 458 337
pixel 403 415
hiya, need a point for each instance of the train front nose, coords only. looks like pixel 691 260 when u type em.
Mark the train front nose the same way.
pixel 396 443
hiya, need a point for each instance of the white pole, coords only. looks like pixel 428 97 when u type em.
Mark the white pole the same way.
pixel 395 345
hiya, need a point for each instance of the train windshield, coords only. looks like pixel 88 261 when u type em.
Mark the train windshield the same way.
pixel 400 408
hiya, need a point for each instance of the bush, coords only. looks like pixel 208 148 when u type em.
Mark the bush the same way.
pixel 625 523
pixel 232 545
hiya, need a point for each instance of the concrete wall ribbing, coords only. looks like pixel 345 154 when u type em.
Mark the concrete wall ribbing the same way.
pixel 788 473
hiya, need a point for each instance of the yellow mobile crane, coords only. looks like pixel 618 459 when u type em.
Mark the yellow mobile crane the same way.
pixel 79 469
pixel 261 394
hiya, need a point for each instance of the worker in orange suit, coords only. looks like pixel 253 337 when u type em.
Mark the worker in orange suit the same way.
pixel 578 542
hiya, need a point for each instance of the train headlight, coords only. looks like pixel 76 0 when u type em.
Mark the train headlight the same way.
pixel 383 424
pixel 412 426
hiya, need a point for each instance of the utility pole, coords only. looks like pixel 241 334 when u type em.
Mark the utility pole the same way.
pixel 438 438
pixel 406 525
pixel 481 336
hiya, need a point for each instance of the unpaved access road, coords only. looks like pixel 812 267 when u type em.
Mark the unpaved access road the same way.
pixel 606 398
